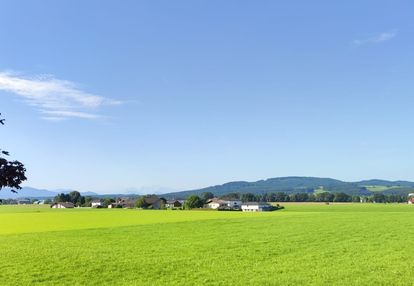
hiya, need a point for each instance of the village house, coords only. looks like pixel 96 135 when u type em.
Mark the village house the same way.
pixel 234 204
pixel 123 203
pixel 65 205
pixel 154 202
pixel 216 203
pixel 97 204
pixel 173 204
pixel 255 207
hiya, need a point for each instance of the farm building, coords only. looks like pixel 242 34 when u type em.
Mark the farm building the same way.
pixel 24 202
pixel 173 204
pixel 154 202
pixel 123 203
pixel 255 207
pixel 97 204
pixel 234 204
pixel 65 205
pixel 215 203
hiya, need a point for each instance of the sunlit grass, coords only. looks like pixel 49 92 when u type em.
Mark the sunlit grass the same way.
pixel 305 244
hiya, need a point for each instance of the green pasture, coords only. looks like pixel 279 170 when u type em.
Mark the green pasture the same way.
pixel 305 244
pixel 376 188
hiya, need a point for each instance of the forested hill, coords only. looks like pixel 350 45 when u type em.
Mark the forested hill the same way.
pixel 303 184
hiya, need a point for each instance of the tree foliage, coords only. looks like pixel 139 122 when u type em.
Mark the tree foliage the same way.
pixel 207 195
pixel 12 173
pixel 318 197
pixel 141 203
pixel 73 197
pixel 194 202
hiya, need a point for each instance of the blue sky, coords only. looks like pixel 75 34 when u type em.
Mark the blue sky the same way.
pixel 109 95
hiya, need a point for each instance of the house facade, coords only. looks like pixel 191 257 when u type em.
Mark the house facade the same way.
pixel 234 204
pixel 216 203
pixel 97 204
pixel 65 205
pixel 173 204
pixel 123 203
pixel 255 207
pixel 154 202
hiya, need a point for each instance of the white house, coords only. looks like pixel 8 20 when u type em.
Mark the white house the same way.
pixel 66 205
pixel 97 204
pixel 215 203
pixel 255 207
pixel 173 204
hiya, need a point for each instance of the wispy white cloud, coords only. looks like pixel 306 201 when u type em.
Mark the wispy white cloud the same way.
pixel 56 99
pixel 376 39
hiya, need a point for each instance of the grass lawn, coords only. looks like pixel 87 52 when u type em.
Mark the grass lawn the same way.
pixel 305 244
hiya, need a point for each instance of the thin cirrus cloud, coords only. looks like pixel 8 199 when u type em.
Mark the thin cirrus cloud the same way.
pixel 377 39
pixel 56 99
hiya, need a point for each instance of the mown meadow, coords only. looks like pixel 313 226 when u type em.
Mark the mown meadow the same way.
pixel 304 244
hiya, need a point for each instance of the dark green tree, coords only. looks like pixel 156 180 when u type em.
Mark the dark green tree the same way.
pixel 356 199
pixel 76 198
pixel 248 197
pixel 300 197
pixel 281 197
pixel 324 197
pixel 108 201
pixel 141 203
pixel 61 198
pixel 379 198
pixel 88 202
pixel 73 197
pixel 231 196
pixel 342 197
pixel 207 195
pixel 193 202
pixel 12 173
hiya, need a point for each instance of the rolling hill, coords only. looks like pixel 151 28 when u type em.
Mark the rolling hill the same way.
pixel 302 184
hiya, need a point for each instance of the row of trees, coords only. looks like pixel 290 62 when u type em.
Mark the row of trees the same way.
pixel 78 200
pixel 309 197
pixel 74 197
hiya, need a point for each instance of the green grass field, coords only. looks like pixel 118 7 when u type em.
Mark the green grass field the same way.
pixel 305 244
pixel 380 188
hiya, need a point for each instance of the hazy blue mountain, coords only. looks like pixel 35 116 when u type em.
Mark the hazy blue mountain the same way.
pixel 298 185
pixel 26 192
pixel 29 192
pixel 90 194
pixel 280 184
pixel 149 190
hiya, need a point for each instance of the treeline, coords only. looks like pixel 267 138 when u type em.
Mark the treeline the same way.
pixel 318 197
pixel 78 200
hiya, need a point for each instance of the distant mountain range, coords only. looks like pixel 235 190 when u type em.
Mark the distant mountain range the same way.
pixel 280 184
pixel 29 192
pixel 303 184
